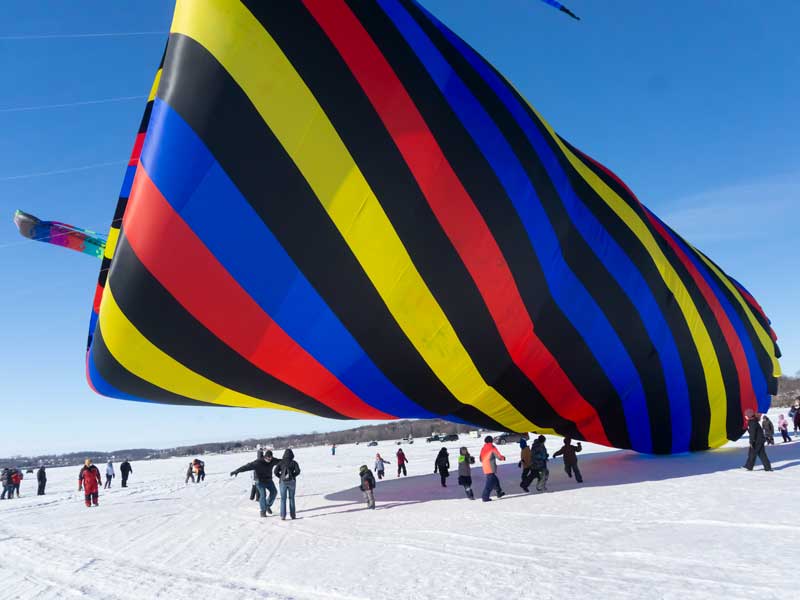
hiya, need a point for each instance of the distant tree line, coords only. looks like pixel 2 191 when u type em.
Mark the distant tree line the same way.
pixel 391 430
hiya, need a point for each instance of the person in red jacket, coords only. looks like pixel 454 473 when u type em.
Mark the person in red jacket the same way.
pixel 89 480
pixel 16 479
pixel 489 455
pixel 401 462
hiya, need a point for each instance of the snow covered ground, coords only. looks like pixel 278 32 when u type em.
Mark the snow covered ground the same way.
pixel 692 526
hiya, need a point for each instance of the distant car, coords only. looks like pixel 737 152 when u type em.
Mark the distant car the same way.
pixel 509 438
pixel 372 443
pixel 29 471
pixel 450 437
pixel 433 438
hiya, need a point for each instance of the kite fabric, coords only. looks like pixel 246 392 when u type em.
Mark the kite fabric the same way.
pixel 562 8
pixel 59 234
pixel 340 208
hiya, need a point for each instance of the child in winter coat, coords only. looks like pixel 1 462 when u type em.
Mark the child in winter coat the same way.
pixel 783 427
pixel 569 452
pixel 367 485
pixel 379 462
pixel 769 430
pixel 109 475
pixel 539 463
pixel 464 471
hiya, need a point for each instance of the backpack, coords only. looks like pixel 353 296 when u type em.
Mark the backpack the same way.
pixel 287 472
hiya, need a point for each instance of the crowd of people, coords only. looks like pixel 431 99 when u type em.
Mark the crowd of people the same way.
pixel 533 462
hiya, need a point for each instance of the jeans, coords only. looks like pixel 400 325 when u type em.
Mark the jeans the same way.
pixel 7 489
pixel 263 502
pixel 287 490
pixel 492 483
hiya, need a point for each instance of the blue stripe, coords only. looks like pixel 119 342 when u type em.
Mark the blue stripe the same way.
pixel 757 379
pixel 196 186
pixel 127 182
pixel 568 292
pixel 103 387
pixel 603 245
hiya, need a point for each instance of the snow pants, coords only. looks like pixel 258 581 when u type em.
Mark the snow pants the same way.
pixel 90 499
pixel 401 468
pixel 380 474
pixel 263 502
pixel 40 491
pixel 124 480
pixel 369 496
pixel 762 455
pixel 492 483
pixel 287 492
pixel 16 489
pixel 527 477
pixel 107 484
pixel 7 489
pixel 443 476
pixel 785 435
pixel 570 469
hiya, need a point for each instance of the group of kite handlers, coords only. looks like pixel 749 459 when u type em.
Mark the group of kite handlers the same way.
pixel 533 460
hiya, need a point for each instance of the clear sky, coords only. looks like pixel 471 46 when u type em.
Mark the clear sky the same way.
pixel 694 104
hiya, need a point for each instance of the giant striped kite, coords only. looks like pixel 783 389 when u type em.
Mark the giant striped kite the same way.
pixel 340 208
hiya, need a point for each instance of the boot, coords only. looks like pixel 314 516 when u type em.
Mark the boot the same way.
pixel 264 514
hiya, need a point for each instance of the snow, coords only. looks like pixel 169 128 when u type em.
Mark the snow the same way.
pixel 689 526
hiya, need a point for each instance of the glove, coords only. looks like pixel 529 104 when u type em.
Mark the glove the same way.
pixel 519 464
pixel 234 474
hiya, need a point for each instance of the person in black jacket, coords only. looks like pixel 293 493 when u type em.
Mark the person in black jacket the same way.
pixel 757 441
pixel 287 471
pixel 125 470
pixel 367 485
pixel 262 468
pixel 41 477
pixel 570 458
pixel 442 466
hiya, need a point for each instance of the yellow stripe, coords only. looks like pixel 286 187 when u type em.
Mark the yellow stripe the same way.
pixel 154 87
pixel 717 399
pixel 111 243
pixel 763 335
pixel 242 46
pixel 142 358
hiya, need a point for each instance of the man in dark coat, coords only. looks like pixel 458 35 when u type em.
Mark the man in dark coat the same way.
pixel 367 485
pixel 125 470
pixel 262 468
pixel 287 471
pixel 442 466
pixel 569 452
pixel 757 441
pixel 41 477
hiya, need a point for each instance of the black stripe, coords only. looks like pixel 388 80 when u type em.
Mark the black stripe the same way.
pixel 125 381
pixel 363 132
pixel 160 318
pixel 196 86
pixel 555 331
pixel 590 271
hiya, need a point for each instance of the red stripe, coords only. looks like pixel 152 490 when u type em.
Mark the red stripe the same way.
pixel 757 307
pixel 746 392
pixel 137 149
pixel 98 296
pixel 456 213
pixel 177 258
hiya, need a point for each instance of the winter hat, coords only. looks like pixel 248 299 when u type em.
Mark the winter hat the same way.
pixel 488 439
pixel 541 438
pixel 362 468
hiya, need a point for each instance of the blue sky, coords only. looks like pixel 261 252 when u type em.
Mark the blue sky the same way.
pixel 693 103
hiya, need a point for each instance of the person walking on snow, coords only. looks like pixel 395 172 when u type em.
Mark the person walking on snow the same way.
pixel 190 473
pixel 125 470
pixel 8 487
pixel 526 463
pixel 41 479
pixel 287 471
pixel 442 466
pixel 488 456
pixel 109 475
pixel 262 468
pixel 757 440
pixel 783 427
pixel 379 462
pixel 367 485
pixel 333 450
pixel 569 452
pixel 539 463
pixel 794 413
pixel 769 430
pixel 465 462
pixel 89 481
pixel 401 462
pixel 16 480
